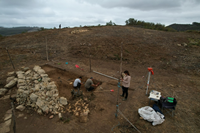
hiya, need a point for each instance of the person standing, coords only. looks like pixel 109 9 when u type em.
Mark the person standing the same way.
pixel 125 84
pixel 89 85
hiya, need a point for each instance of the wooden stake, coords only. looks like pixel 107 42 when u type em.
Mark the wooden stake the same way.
pixel 117 106
pixel 47 50
pixel 10 59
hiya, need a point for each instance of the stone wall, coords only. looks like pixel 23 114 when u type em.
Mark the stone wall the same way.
pixel 35 89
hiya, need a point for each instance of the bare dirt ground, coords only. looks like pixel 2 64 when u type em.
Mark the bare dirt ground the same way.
pixel 176 68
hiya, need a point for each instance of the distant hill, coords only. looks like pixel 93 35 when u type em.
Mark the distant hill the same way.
pixel 185 27
pixel 16 30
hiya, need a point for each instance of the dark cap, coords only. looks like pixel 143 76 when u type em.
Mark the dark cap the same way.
pixel 91 78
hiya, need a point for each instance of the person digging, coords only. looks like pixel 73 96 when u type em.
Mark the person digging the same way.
pixel 89 85
pixel 77 85
pixel 125 84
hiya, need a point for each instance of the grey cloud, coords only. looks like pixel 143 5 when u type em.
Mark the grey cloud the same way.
pixel 137 4
pixel 51 13
pixel 19 3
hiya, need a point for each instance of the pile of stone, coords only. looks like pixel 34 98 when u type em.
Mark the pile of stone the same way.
pixel 10 82
pixel 36 90
pixel 78 31
pixel 79 108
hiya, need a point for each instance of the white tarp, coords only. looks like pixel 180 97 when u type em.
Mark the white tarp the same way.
pixel 149 114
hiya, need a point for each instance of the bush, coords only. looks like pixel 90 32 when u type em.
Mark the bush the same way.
pixel 42 28
pixel 110 23
pixel 148 25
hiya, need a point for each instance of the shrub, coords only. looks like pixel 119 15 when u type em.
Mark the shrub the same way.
pixel 148 25
pixel 110 23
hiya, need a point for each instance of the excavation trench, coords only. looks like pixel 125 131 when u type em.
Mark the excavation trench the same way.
pixel 64 80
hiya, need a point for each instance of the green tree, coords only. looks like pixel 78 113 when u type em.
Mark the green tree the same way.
pixel 110 23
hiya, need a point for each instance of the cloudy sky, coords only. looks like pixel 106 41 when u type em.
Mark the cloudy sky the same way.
pixel 51 13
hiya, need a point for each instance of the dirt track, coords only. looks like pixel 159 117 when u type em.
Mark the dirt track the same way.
pixel 177 70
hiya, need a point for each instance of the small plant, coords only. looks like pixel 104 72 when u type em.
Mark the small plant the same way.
pixel 194 41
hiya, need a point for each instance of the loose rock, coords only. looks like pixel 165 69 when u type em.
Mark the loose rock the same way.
pixel 9 79
pixel 5 127
pixel 33 97
pixel 9 74
pixel 20 107
pixel 59 115
pixel 3 91
pixel 11 84
pixel 51 116
pixel 63 101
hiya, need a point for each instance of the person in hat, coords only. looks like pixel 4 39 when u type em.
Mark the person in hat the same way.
pixel 125 84
pixel 77 83
pixel 89 85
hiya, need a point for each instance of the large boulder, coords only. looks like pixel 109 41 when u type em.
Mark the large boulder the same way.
pixel 21 82
pixel 3 91
pixel 45 109
pixel 9 79
pixel 33 98
pixel 21 76
pixel 9 74
pixel 63 101
pixel 28 72
pixel 20 107
pixel 5 127
pixel 11 83
pixel 36 68
pixel 23 87
pixel 41 71
pixel 19 72
pixel 39 103
pixel 25 69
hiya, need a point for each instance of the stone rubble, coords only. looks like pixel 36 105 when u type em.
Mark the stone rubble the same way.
pixel 5 127
pixel 80 108
pixel 36 90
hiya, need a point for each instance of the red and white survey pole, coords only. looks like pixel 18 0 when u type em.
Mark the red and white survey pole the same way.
pixel 149 75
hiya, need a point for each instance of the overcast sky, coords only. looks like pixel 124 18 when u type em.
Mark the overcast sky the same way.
pixel 51 13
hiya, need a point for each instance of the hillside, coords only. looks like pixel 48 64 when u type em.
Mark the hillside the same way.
pixel 16 30
pixel 186 27
pixel 174 57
